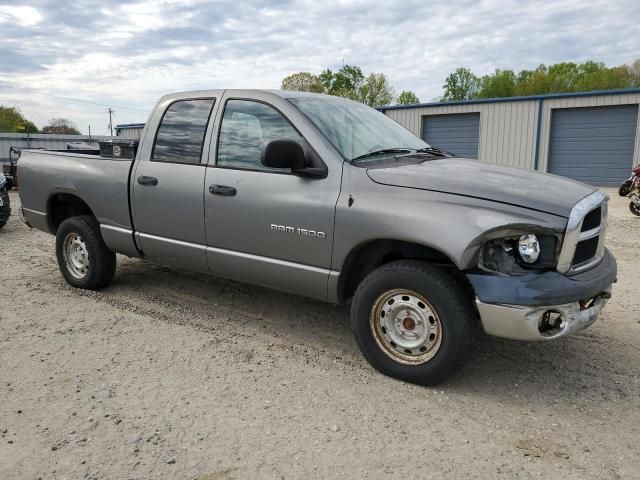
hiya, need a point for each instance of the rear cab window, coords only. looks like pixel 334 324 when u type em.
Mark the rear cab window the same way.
pixel 181 133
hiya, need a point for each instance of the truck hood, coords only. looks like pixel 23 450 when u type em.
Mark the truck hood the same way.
pixel 514 186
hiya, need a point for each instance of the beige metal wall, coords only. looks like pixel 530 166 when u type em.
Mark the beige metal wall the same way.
pixel 507 129
pixel 572 102
pixel 129 133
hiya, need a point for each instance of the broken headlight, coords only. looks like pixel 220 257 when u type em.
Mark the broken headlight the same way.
pixel 529 248
pixel 519 254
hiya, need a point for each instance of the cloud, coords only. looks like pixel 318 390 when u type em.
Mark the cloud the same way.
pixel 24 16
pixel 130 53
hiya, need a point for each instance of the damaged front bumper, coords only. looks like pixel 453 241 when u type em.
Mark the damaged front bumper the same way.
pixel 540 323
pixel 542 306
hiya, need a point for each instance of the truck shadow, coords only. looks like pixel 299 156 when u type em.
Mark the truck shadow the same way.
pixel 567 370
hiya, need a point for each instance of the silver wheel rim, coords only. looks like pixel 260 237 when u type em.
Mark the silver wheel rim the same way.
pixel 406 327
pixel 76 255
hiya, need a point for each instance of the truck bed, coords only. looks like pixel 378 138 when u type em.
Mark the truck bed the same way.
pixel 101 183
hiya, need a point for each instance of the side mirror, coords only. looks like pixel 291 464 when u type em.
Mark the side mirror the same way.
pixel 283 153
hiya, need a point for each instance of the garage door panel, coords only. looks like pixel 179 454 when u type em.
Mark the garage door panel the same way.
pixel 593 144
pixel 456 133
pixel 593 149
pixel 599 130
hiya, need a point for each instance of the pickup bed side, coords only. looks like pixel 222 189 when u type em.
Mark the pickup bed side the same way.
pixel 57 185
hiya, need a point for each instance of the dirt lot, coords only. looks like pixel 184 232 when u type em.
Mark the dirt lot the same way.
pixel 174 375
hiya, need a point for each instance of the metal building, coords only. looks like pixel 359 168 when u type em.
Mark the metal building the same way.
pixel 49 141
pixel 129 130
pixel 593 137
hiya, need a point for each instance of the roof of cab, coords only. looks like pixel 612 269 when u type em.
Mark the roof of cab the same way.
pixel 278 93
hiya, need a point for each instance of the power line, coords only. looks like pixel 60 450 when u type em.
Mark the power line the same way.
pixel 28 90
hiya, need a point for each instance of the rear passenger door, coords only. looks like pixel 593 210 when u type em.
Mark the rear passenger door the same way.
pixel 168 182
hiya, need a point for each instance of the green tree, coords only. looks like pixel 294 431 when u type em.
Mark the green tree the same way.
pixel 499 84
pixel 557 78
pixel 462 84
pixel 407 97
pixel 343 83
pixel 349 82
pixel 375 91
pixel 303 82
pixel 61 126
pixel 11 120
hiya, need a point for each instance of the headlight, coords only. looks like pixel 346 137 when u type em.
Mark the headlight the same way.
pixel 529 248
pixel 519 253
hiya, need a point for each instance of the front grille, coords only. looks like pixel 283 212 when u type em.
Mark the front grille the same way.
pixel 585 251
pixel 588 246
pixel 583 244
pixel 592 219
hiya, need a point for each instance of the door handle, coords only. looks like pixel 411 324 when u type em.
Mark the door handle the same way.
pixel 144 180
pixel 224 190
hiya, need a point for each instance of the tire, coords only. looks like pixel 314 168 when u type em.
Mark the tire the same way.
pixel 625 188
pixel 436 297
pixel 83 258
pixel 5 210
pixel 634 209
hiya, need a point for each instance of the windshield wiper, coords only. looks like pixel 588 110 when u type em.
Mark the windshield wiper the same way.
pixel 432 150
pixel 383 151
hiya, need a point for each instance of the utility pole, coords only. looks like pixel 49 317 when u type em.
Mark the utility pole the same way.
pixel 89 133
pixel 110 122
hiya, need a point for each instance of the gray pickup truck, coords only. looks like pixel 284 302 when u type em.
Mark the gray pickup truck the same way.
pixel 328 198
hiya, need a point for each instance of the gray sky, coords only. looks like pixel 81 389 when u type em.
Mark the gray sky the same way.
pixel 127 54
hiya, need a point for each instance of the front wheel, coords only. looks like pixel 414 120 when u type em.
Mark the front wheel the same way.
pixel 625 188
pixel 413 321
pixel 5 208
pixel 83 258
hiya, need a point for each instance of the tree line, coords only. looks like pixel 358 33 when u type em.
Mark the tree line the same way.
pixel 12 120
pixel 463 84
pixel 349 82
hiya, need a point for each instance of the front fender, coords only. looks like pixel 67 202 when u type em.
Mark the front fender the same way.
pixel 453 224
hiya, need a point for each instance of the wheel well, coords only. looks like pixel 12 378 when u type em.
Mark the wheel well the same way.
pixel 63 206
pixel 367 257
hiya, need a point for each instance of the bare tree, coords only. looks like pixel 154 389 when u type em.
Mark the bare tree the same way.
pixel 61 126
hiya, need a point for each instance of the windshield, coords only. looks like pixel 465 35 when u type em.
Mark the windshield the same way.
pixel 354 128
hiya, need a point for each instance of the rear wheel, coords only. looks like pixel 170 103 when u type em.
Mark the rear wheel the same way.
pixel 413 321
pixel 634 209
pixel 83 258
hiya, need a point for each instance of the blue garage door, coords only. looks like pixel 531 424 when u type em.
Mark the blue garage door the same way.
pixel 456 133
pixel 593 145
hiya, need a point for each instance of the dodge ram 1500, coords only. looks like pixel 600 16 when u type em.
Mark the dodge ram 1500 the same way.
pixel 325 197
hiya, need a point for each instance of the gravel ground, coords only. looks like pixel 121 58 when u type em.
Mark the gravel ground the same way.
pixel 175 375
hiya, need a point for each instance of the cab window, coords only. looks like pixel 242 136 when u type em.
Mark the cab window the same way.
pixel 181 133
pixel 246 127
